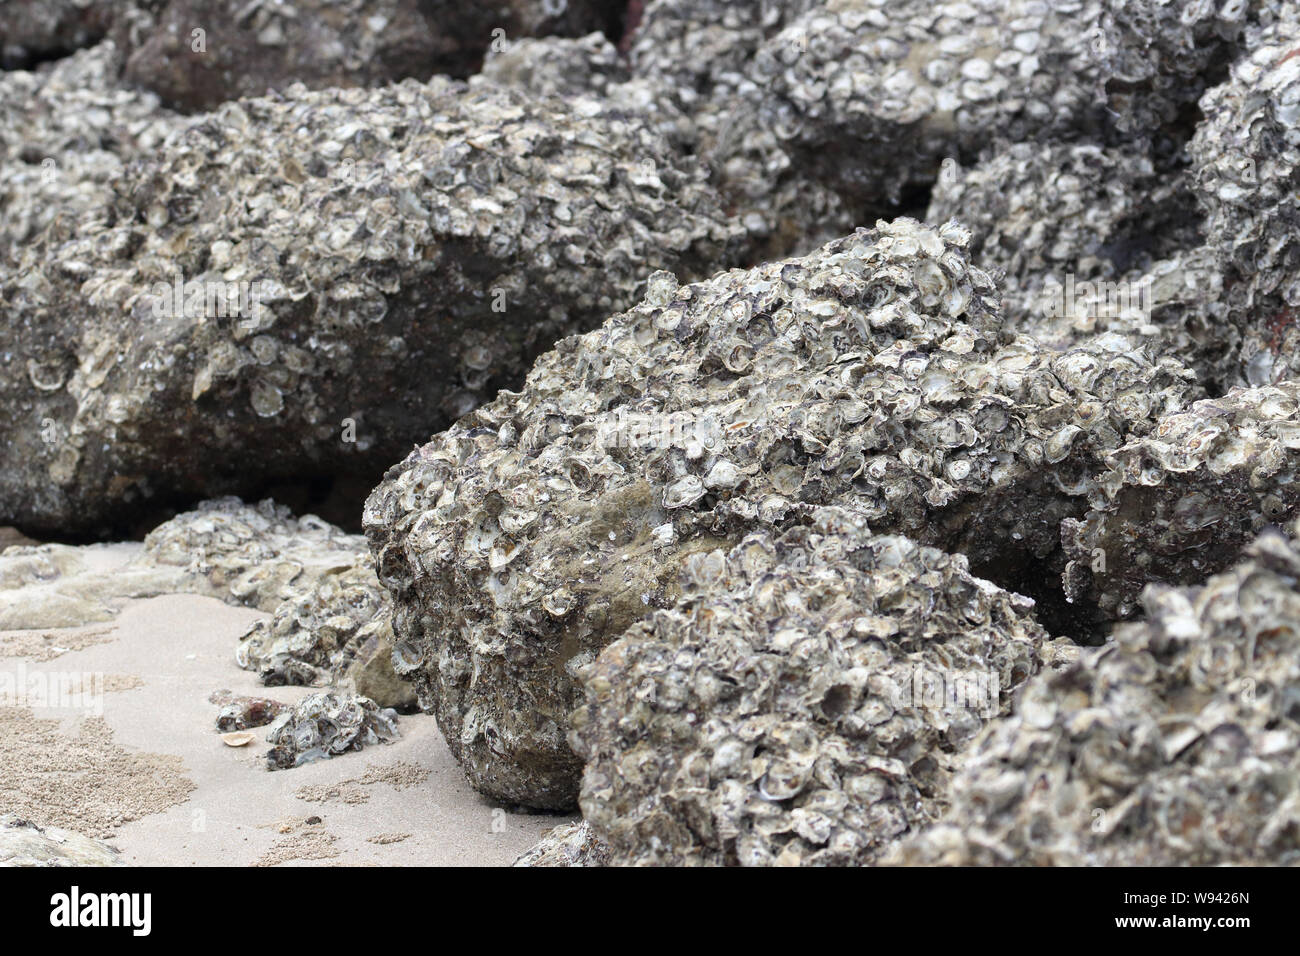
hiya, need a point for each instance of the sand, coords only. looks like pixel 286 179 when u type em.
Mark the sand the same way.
pixel 122 744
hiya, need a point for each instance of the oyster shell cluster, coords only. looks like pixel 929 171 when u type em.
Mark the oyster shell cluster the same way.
pixel 802 703
pixel 1175 744
pixel 411 248
pixel 325 725
pixel 773 353
pixel 876 374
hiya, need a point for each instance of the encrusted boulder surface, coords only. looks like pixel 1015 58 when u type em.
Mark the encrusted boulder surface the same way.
pixel 1073 229
pixel 1245 157
pixel 804 703
pixel 1181 502
pixel 1176 744
pixel 322 276
pixel 66 134
pixel 572 844
pixel 873 374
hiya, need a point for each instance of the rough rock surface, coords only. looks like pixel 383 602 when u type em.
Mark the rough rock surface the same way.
pixel 1182 501
pixel 803 704
pixel 1174 745
pixel 25 844
pixel 570 845
pixel 358 266
pixel 874 95
pixel 874 374
pixel 66 135
pixel 325 725
pixel 198 54
pixel 1052 217
pixel 36 30
pixel 1245 157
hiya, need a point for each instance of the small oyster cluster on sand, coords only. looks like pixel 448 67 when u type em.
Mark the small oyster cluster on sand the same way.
pixel 788 433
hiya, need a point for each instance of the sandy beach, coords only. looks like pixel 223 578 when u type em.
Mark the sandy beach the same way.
pixel 152 777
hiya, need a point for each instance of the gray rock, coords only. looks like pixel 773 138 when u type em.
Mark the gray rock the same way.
pixel 804 703
pixel 570 845
pixel 66 134
pixel 197 54
pixel 1244 157
pixel 357 266
pixel 1174 745
pixel 325 725
pixel 25 844
pixel 874 374
pixel 1180 503
pixel 1074 228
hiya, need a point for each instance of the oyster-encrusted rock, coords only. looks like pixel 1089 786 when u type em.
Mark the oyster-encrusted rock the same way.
pixel 65 135
pixel 58 585
pixel 1176 744
pixel 804 703
pixel 1160 56
pixel 244 49
pixel 356 266
pixel 872 374
pixel 325 725
pixel 555 66
pixel 1179 503
pixel 570 845
pixel 1245 157
pixel 315 634
pixel 23 843
pixel 1074 227
pixel 873 96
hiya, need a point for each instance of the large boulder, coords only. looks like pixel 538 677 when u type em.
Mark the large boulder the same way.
pixel 804 703
pixel 322 277
pixel 874 374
